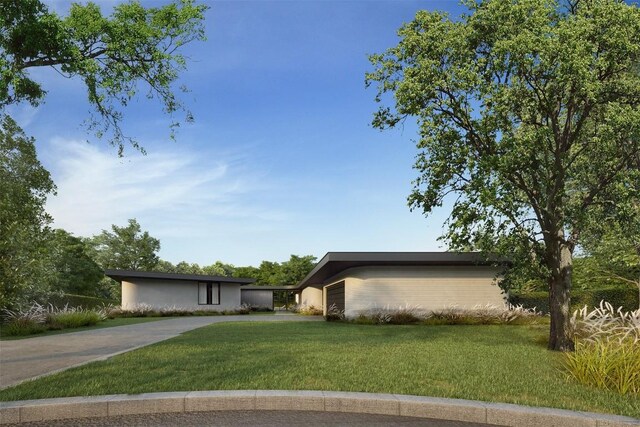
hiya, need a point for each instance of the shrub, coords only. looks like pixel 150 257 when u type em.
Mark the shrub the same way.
pixel 87 302
pixel 146 310
pixel 21 327
pixel 607 351
pixel 308 310
pixel 405 315
pixel 261 309
pixel 606 324
pixel 73 319
pixel 39 318
pixel 453 315
pixel 334 314
pixel 627 298
pixel 396 316
pixel 36 313
pixel 609 365
pixel 243 309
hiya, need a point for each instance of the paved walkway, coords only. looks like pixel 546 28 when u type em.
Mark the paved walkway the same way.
pixel 29 358
pixel 253 418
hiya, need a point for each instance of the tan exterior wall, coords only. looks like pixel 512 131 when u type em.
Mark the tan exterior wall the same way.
pixel 311 296
pixel 175 293
pixel 429 288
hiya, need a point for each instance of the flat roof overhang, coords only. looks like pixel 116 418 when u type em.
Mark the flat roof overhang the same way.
pixel 120 275
pixel 334 263
pixel 269 288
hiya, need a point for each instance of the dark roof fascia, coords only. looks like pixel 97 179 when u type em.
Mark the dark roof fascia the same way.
pixel 334 263
pixel 120 275
pixel 268 288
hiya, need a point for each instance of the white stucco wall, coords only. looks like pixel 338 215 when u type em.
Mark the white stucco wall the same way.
pixel 175 293
pixel 311 296
pixel 430 288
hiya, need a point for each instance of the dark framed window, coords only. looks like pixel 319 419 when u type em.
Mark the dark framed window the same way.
pixel 208 293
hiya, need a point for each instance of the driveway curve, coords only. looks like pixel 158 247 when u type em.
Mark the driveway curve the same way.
pixel 30 358
pixel 253 418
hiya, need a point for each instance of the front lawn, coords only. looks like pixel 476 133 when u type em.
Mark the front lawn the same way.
pixel 108 323
pixel 490 363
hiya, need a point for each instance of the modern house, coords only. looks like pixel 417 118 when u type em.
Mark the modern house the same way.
pixel 184 291
pixel 357 281
pixel 348 281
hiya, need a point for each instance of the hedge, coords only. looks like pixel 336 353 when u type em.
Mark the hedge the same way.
pixel 81 301
pixel 627 298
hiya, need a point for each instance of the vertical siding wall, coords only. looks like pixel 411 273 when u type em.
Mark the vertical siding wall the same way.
pixel 175 293
pixel 257 298
pixel 430 288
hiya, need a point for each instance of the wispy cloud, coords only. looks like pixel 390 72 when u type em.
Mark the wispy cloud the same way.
pixel 173 193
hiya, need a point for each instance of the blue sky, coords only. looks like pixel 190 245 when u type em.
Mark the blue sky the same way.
pixel 281 158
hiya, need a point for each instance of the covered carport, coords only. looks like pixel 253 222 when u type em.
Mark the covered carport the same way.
pixel 268 296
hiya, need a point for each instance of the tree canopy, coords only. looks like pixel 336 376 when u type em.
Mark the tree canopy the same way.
pixel 125 248
pixel 23 220
pixel 72 270
pixel 134 50
pixel 529 121
pixel 289 272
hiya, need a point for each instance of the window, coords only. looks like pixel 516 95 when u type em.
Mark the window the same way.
pixel 208 293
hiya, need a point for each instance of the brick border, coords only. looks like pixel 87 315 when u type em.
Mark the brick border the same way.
pixel 287 400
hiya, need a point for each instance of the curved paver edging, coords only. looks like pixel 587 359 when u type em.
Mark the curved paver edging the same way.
pixel 283 400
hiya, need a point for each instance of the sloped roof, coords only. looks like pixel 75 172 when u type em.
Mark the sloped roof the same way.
pixel 336 262
pixel 121 275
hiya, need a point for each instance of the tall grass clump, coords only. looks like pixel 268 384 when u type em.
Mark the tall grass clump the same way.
pixel 38 318
pixel 607 354
pixel 334 314
pixel 146 310
pixel 74 319
pixel 307 310
pixel 453 315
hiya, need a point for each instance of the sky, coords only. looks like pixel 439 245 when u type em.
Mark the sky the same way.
pixel 281 159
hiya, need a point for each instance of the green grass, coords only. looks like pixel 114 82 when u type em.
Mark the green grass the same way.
pixel 489 363
pixel 104 324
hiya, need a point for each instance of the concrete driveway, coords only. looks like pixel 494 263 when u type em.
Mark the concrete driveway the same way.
pixel 253 418
pixel 29 358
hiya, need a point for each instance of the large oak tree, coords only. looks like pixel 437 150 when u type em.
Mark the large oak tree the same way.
pixel 529 120
pixel 135 50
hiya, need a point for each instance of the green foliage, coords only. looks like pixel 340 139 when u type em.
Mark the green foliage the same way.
pixel 308 310
pixel 607 353
pixel 116 57
pixel 289 272
pixel 251 272
pixel 22 327
pixel 23 220
pixel 627 298
pixel 87 302
pixel 218 268
pixel 607 365
pixel 148 311
pixel 488 363
pixel 529 114
pixel 333 314
pixel 73 319
pixel 614 252
pixel 39 318
pixel 125 248
pixel 480 315
pixel 72 269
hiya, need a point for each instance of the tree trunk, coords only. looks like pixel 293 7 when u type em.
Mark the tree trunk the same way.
pixel 561 264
